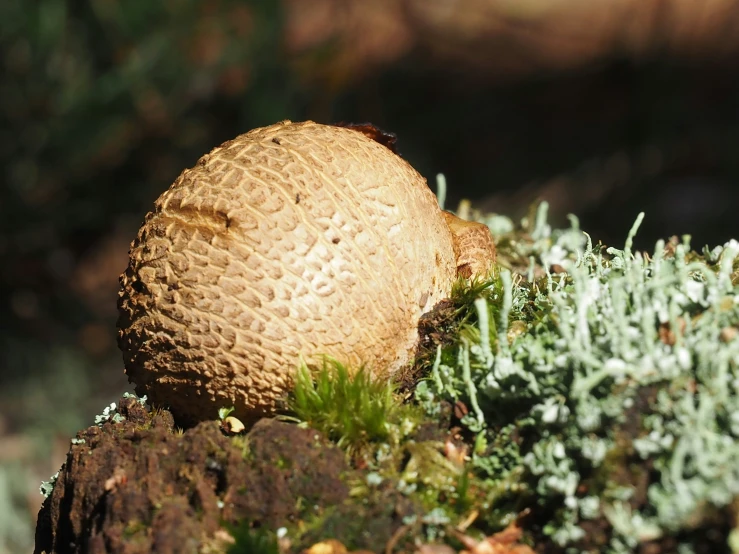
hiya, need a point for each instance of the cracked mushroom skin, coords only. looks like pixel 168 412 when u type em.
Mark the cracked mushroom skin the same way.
pixel 293 240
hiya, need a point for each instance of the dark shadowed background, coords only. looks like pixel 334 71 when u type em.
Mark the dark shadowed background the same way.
pixel 604 109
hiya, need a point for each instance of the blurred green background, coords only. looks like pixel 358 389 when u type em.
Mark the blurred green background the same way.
pixel 603 108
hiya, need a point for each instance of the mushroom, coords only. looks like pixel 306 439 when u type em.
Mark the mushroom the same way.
pixel 289 242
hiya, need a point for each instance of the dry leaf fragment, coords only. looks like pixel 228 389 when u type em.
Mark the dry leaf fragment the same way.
pixel 434 549
pixel 331 546
pixel 503 542
pixel 232 426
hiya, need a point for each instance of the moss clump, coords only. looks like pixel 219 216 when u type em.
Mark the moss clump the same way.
pixel 248 540
pixel 402 477
pixel 351 408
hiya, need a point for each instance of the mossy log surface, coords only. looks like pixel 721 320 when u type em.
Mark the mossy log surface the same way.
pixel 513 437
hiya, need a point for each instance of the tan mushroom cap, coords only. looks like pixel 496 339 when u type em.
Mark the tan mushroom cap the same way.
pixel 296 239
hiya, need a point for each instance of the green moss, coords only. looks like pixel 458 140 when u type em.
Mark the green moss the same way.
pixel 351 408
pixel 242 443
pixel 134 528
pixel 248 540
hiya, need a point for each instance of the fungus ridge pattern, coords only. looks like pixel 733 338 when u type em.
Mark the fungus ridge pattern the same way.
pixel 295 239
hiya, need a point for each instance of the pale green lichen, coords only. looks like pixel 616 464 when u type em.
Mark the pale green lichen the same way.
pixel 47 487
pixel 109 413
pixel 223 412
pixel 622 354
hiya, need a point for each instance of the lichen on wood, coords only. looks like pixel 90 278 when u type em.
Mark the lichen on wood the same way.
pixel 616 406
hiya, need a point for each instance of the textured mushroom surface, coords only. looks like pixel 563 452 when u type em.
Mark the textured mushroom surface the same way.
pixel 474 249
pixel 296 239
